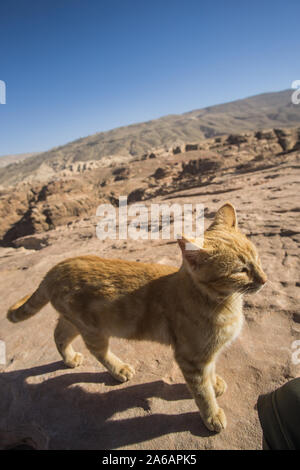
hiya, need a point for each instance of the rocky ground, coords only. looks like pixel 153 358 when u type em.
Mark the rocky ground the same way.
pixel 47 405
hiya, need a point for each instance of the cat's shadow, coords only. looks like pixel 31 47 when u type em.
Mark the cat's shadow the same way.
pixel 89 416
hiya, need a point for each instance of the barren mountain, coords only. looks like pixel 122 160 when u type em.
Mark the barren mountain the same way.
pixel 8 159
pixel 268 110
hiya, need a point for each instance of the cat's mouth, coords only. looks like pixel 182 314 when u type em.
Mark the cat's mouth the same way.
pixel 254 289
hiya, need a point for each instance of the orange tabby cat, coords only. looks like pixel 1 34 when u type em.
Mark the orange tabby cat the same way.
pixel 197 309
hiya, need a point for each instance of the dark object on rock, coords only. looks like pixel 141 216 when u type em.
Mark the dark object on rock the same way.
pixel 176 150
pixel 267 135
pixel 235 139
pixel 200 166
pixel 279 413
pixel 121 173
pixel 136 195
pixel 190 147
pixel 160 173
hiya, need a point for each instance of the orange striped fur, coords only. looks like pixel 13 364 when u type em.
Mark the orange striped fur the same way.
pixel 196 309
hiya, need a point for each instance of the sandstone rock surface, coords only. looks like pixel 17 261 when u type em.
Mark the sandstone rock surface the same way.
pixel 45 405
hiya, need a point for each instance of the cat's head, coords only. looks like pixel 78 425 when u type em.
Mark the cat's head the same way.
pixel 226 262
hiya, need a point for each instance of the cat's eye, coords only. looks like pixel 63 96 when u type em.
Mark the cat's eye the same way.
pixel 241 270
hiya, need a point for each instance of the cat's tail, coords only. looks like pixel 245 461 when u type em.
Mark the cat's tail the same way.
pixel 28 305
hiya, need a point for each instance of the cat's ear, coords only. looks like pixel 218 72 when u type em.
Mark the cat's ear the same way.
pixel 189 244
pixel 191 249
pixel 225 216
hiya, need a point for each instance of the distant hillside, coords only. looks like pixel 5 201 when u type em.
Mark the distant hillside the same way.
pixel 8 159
pixel 268 110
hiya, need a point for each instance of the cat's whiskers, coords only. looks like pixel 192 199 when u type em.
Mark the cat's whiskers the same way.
pixel 278 291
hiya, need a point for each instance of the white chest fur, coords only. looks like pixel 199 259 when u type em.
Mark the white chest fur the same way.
pixel 229 322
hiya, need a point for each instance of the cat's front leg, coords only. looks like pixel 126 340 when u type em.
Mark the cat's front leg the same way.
pixel 199 381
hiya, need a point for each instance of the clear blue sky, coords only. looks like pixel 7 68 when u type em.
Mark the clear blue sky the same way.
pixel 76 67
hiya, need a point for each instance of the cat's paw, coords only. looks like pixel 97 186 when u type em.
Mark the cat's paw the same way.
pixel 76 360
pixel 216 422
pixel 126 372
pixel 220 386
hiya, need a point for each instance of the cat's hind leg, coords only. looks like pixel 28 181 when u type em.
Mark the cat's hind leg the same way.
pixel 219 384
pixel 64 334
pixel 99 347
